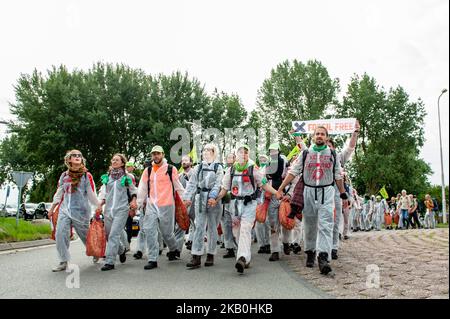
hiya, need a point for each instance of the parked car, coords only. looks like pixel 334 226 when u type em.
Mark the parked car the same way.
pixel 41 210
pixel 9 210
pixel 27 211
pixel 135 226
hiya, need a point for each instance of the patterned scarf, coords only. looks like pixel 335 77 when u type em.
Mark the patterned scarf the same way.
pixel 75 176
pixel 117 173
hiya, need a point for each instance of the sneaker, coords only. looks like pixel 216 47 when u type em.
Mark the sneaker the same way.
pixel 61 267
pixel 324 266
pixel 296 249
pixel 107 267
pixel 172 255
pixel 311 256
pixel 230 253
pixel 240 265
pixel 151 265
pixel 123 257
pixel 334 254
pixel 195 262
pixel 209 260
pixel 274 257
pixel 286 249
pixel 138 255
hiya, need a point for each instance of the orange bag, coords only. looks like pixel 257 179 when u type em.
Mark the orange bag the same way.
pixel 54 220
pixel 181 213
pixel 96 238
pixel 396 218
pixel 261 211
pixel 283 213
pixel 387 219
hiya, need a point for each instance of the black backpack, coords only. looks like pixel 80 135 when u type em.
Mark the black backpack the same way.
pixel 201 169
pixel 250 175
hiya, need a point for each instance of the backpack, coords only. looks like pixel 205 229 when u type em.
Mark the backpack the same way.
pixel 304 154
pixel 201 169
pixel 435 207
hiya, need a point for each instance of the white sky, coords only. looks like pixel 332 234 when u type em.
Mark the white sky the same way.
pixel 232 45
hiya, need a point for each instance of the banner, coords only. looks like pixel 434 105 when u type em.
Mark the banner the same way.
pixel 334 126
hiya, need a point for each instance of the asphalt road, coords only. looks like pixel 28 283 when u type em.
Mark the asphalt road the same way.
pixel 27 274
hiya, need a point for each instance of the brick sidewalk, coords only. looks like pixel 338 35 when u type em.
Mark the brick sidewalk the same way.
pixel 411 263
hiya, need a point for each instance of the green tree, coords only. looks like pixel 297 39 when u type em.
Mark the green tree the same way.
pixel 295 91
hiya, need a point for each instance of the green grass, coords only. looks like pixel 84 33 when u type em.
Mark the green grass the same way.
pixel 440 225
pixel 26 230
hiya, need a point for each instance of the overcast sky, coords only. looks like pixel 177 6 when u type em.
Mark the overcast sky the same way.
pixel 232 45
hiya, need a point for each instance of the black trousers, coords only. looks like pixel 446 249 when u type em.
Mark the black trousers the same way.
pixel 414 220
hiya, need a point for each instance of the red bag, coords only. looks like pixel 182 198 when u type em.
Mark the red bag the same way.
pixel 261 211
pixel 219 230
pixel 96 238
pixel 387 219
pixel 54 220
pixel 181 213
pixel 283 213
pixel 396 218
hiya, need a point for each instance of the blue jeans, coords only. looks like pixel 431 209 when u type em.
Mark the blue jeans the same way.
pixel 405 217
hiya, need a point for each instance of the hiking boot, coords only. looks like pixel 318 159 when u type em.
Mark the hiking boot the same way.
pixel 223 245
pixel 172 255
pixel 296 249
pixel 123 257
pixel 188 245
pixel 61 267
pixel 346 237
pixel 195 262
pixel 151 265
pixel 107 267
pixel 334 254
pixel 311 256
pixel 240 265
pixel 324 266
pixel 209 260
pixel 262 250
pixel 274 257
pixel 230 253
pixel 286 249
pixel 267 249
pixel 138 255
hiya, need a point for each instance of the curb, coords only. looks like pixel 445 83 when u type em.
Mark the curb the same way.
pixel 26 244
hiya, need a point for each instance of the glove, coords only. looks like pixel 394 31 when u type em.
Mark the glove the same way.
pixel 343 195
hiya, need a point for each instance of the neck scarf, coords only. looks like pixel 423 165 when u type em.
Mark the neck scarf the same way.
pixel 117 173
pixel 75 176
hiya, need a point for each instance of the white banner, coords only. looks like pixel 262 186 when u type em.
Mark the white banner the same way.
pixel 334 126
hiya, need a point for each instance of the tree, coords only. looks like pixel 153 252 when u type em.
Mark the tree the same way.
pixel 391 137
pixel 105 110
pixel 295 91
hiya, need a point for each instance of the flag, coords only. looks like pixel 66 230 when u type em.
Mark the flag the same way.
pixel 384 193
pixel 193 154
pixel 294 152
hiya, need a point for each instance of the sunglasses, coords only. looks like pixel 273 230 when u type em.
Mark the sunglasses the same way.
pixel 76 155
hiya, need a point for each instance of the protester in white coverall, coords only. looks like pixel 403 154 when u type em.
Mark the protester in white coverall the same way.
pixel 263 229
pixel 343 158
pixel 156 190
pixel 205 184
pixel 243 180
pixel 320 170
pixel 76 190
pixel 118 194
pixel 227 222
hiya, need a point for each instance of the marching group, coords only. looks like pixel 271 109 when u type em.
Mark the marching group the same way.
pixel 223 197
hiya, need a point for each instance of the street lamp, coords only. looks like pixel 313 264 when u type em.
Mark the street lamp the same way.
pixel 444 212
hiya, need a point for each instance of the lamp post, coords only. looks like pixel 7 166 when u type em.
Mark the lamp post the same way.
pixel 444 210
